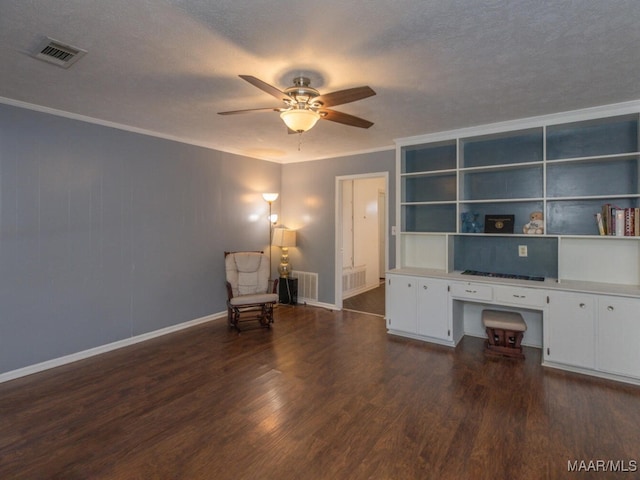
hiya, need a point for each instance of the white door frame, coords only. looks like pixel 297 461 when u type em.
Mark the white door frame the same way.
pixel 339 223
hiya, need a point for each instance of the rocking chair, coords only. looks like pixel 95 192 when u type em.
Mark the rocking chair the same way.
pixel 247 275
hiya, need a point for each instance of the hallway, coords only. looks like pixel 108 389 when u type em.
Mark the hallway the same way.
pixel 371 301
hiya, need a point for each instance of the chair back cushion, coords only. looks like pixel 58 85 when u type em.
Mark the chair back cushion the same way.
pixel 247 272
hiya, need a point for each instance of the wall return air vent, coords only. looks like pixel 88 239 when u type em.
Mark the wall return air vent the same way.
pixel 58 53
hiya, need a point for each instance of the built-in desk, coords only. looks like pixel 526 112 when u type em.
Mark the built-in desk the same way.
pixel 468 299
pixel 581 326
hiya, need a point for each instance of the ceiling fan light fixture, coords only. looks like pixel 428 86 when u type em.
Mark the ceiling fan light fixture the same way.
pixel 299 119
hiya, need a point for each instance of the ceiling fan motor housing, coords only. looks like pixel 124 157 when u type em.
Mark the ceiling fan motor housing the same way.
pixel 302 93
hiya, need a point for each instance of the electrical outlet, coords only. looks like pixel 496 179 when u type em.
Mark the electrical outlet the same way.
pixel 393 230
pixel 522 251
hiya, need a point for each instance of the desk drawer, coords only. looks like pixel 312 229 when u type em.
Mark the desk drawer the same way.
pixel 527 297
pixel 472 291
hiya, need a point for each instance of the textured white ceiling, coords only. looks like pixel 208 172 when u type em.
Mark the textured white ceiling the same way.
pixel 169 66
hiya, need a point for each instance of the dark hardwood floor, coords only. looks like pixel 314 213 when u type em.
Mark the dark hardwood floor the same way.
pixel 322 395
pixel 371 301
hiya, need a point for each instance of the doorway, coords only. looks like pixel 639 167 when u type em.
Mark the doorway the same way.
pixel 361 237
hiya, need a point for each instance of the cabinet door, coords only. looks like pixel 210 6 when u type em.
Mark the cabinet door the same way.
pixel 619 335
pixel 432 311
pixel 401 303
pixel 570 329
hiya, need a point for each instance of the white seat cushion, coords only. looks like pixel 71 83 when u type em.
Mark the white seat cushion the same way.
pixel 258 298
pixel 503 320
pixel 247 273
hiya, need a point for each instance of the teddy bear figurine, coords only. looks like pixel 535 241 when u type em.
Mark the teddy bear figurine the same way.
pixel 466 222
pixel 470 223
pixel 535 225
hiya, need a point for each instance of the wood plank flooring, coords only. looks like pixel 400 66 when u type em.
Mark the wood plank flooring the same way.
pixel 322 395
pixel 371 301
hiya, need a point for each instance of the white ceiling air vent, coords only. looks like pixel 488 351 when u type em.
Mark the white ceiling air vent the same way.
pixel 58 53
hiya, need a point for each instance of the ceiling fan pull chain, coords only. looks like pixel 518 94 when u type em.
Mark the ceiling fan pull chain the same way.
pixel 299 140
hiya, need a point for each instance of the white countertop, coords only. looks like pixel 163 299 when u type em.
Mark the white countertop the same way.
pixel 547 284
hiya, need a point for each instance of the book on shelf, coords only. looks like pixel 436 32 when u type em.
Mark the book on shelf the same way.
pixel 619 222
pixel 629 222
pixel 600 224
pixel 632 222
pixel 609 218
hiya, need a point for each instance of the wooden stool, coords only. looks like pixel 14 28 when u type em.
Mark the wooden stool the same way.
pixel 504 333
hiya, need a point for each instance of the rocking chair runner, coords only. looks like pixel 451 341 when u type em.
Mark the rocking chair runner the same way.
pixel 247 275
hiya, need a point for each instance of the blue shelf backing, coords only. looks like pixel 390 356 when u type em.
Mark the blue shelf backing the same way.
pixel 613 177
pixel 502 184
pixel 499 254
pixel 512 147
pixel 607 136
pixel 429 218
pixel 422 158
pixel 441 188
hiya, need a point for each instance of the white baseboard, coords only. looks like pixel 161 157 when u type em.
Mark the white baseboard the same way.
pixel 74 357
pixel 328 306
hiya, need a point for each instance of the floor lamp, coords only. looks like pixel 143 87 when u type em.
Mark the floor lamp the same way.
pixel 284 238
pixel 270 198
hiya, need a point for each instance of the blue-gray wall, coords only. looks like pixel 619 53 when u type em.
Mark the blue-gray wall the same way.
pixel 107 234
pixel 309 205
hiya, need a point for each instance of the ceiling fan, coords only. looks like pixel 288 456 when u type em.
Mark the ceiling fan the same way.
pixel 304 105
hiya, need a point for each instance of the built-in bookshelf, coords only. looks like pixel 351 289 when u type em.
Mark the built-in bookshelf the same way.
pixel 589 164
pixel 567 166
pixel 428 187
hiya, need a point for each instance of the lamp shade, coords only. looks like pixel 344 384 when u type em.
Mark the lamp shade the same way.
pixel 270 197
pixel 299 119
pixel 283 237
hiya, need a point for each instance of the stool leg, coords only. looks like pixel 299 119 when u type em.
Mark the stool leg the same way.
pixel 518 343
pixel 504 342
pixel 491 336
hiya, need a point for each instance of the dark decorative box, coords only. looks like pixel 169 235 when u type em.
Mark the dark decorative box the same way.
pixel 498 223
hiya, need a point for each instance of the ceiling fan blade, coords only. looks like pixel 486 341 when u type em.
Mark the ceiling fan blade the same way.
pixel 344 96
pixel 344 118
pixel 265 87
pixel 249 110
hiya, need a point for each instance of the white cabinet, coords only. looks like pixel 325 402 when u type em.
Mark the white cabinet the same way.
pixel 596 332
pixel 433 312
pixel 570 329
pixel 592 333
pixel 618 346
pixel 418 307
pixel 401 304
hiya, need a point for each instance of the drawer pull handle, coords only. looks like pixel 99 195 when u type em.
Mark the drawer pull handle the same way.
pixel 610 308
pixel 582 305
pixel 425 287
pixel 519 296
pixel 471 291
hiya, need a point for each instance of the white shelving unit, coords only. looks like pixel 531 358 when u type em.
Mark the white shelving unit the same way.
pixel 565 165
pixel 584 313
